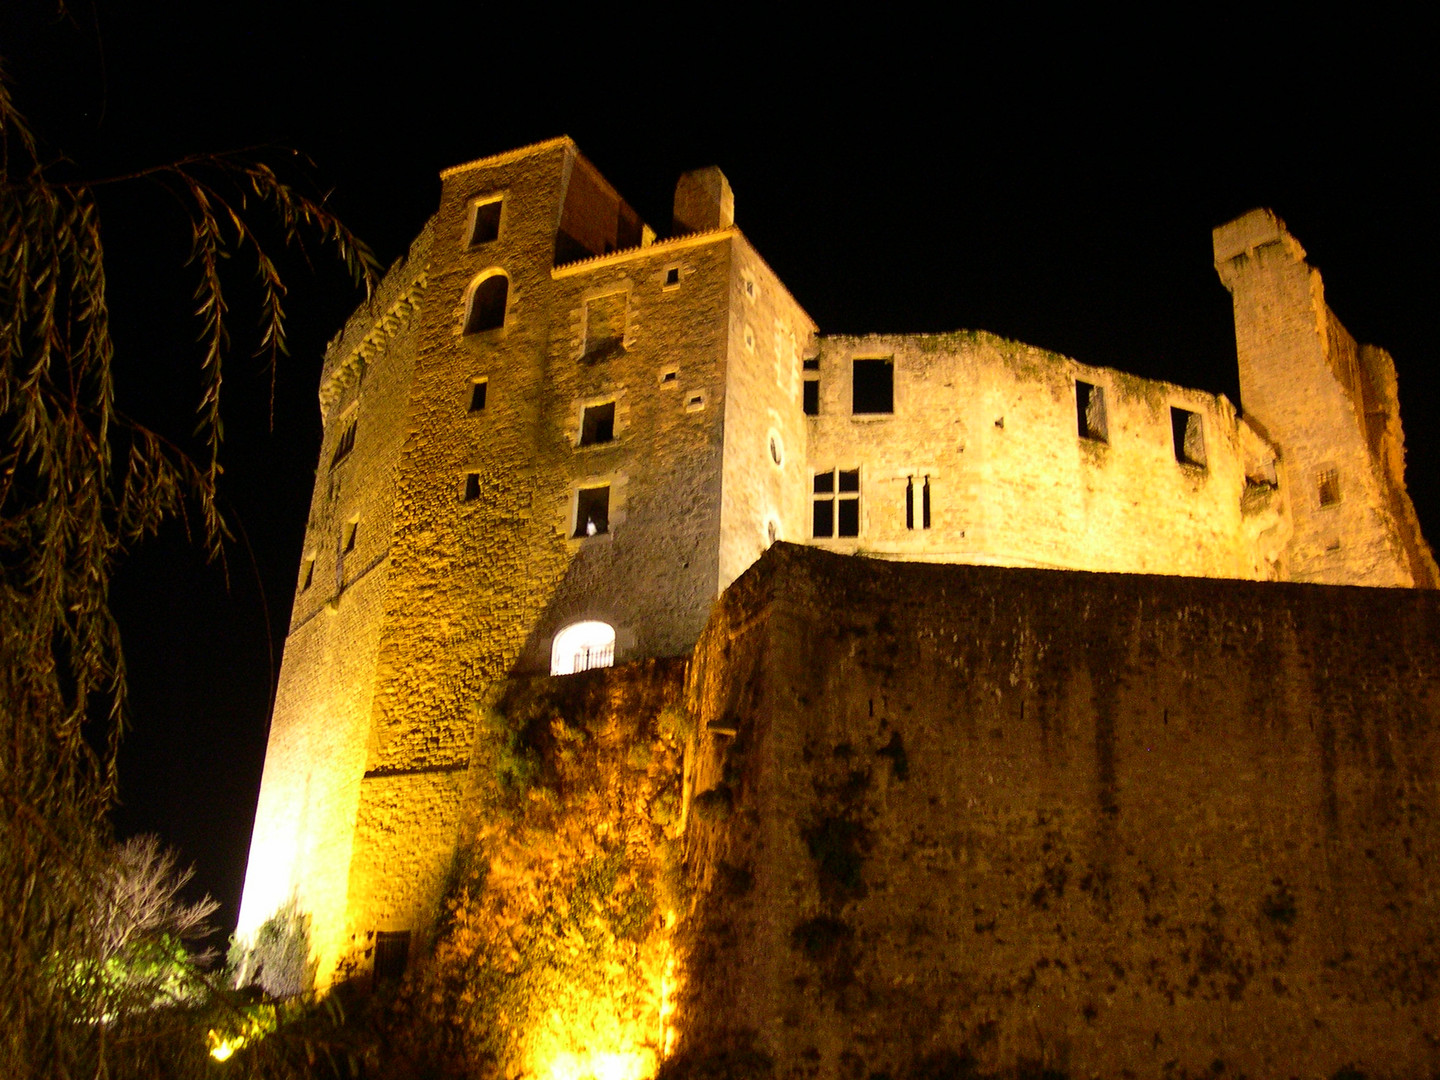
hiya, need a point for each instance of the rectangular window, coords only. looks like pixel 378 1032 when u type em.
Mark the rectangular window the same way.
pixel 597 424
pixel 605 327
pixel 351 530
pixel 392 955
pixel 484 222
pixel 592 512
pixel 813 364
pixel 910 503
pixel 345 445
pixel 873 387
pixel 672 277
pixel 925 505
pixel 836 503
pixel 1090 411
pixel 307 574
pixel 1328 482
pixel 472 487
pixel 1188 435
pixel 811 402
pixel 478 390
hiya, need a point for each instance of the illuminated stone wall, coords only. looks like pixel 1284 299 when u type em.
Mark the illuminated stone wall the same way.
pixel 1095 823
pixel 993 426
pixel 1332 405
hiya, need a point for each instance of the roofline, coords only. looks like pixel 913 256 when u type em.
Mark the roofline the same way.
pixel 511 155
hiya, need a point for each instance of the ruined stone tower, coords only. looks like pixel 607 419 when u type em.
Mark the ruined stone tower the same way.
pixel 552 439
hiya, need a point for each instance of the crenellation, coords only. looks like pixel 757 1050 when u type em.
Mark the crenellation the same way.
pixel 487 522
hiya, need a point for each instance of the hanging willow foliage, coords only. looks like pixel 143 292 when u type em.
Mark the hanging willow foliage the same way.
pixel 80 483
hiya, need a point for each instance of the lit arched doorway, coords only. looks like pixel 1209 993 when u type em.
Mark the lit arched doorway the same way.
pixel 582 646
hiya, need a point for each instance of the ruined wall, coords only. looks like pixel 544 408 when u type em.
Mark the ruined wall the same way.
pixel 1331 406
pixel 305 818
pixel 1108 825
pixel 993 426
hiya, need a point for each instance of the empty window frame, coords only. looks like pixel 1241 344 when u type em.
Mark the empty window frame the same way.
pixel 836 509
pixel 471 490
pixel 487 304
pixel 1187 433
pixel 810 401
pixel 873 386
pixel 348 536
pixel 345 445
pixel 672 277
pixel 1327 484
pixel 910 489
pixel 592 512
pixel 484 222
pixel 392 955
pixel 597 424
pixel 1090 412
pixel 307 573
pixel 605 326
pixel 479 392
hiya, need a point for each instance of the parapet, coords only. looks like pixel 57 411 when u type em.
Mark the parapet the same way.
pixel 1249 231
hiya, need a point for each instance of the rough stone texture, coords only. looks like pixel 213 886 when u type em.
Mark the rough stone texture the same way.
pixel 394 645
pixel 1111 825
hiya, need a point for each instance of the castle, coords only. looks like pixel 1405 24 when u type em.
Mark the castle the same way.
pixel 553 438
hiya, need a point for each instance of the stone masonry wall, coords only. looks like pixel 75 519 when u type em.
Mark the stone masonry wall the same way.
pixel 993 425
pixel 1109 825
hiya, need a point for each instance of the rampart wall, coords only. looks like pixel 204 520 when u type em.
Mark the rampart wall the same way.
pixel 1104 824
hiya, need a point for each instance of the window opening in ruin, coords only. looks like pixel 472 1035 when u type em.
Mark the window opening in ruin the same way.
pixel 777 455
pixel 811 401
pixel 485 222
pixel 351 530
pixel 307 574
pixel 813 364
pixel 772 530
pixel 672 277
pixel 1188 435
pixel 750 288
pixel 910 502
pixel 873 386
pixel 1328 483
pixel 478 389
pixel 836 509
pixel 487 304
pixel 695 403
pixel 597 424
pixel 392 955
pixel 345 445
pixel 925 504
pixel 592 512
pixel 670 377
pixel 604 327
pixel 582 646
pixel 1090 411
pixel 472 487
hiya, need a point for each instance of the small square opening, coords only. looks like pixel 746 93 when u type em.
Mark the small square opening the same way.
pixel 485 224
pixel 597 424
pixel 813 364
pixel 1328 483
pixel 478 390
pixel 472 487
pixel 392 955
pixel 873 389
pixel 592 512
pixel 672 277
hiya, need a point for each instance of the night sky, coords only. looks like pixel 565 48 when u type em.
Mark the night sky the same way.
pixel 1054 182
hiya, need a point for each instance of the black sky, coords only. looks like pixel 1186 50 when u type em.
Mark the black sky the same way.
pixel 1052 180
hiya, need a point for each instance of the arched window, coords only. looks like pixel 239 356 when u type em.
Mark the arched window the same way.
pixel 487 304
pixel 582 646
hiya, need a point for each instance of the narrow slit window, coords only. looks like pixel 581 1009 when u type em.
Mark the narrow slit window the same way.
pixel 836 503
pixel 1188 433
pixel 485 222
pixel 1090 412
pixel 345 445
pixel 478 391
pixel 597 424
pixel 487 304
pixel 811 401
pixel 873 387
pixel 1328 483
pixel 307 574
pixel 352 530
pixel 592 512
pixel 472 487
pixel 392 955
pixel 925 504
pixel 909 502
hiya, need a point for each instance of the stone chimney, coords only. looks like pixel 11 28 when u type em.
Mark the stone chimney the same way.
pixel 703 200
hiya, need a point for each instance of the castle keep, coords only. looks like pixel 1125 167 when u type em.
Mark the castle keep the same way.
pixel 554 437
